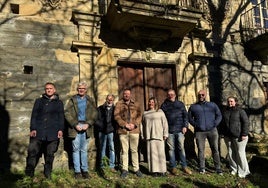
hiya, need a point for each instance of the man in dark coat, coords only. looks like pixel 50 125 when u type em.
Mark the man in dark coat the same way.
pixel 105 125
pixel 47 124
pixel 177 118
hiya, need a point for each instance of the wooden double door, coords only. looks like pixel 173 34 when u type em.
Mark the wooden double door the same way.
pixel 146 80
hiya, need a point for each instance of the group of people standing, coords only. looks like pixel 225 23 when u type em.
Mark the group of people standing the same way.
pixel 158 125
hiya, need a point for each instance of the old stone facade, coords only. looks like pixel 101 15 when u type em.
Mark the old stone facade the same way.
pixel 67 41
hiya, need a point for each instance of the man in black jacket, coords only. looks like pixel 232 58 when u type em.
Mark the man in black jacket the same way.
pixel 47 124
pixel 106 127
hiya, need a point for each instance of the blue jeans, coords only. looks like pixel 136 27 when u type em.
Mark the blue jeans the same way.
pixel 80 150
pixel 212 137
pixel 176 141
pixel 104 138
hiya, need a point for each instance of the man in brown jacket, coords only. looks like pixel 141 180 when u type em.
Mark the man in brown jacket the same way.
pixel 128 116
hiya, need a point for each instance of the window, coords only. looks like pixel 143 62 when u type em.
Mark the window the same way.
pixel 260 13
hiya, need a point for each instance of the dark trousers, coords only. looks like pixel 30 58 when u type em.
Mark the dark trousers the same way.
pixel 35 150
pixel 212 137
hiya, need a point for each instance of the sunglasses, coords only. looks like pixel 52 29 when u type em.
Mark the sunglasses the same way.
pixel 202 95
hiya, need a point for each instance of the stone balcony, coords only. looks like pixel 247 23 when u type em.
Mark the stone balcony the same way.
pixel 152 24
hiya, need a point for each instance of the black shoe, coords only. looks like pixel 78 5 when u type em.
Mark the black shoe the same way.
pixel 85 175
pixel 138 173
pixel 47 175
pixel 77 175
pixel 124 174
pixel 29 173
pixel 102 172
pixel 162 174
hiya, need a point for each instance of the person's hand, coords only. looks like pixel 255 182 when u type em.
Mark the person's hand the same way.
pixel 33 133
pixel 130 126
pixel 244 137
pixel 164 137
pixel 60 134
pixel 85 127
pixel 78 128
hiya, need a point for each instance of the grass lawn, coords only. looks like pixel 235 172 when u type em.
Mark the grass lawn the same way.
pixel 65 179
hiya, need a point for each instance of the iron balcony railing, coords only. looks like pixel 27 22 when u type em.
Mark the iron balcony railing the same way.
pixel 194 5
pixel 189 4
pixel 254 22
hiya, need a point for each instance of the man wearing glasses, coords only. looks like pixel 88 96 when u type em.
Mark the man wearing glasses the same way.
pixel 106 126
pixel 80 113
pixel 205 117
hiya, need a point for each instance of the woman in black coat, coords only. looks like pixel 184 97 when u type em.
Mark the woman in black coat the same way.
pixel 235 131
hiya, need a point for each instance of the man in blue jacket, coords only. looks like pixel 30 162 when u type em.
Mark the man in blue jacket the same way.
pixel 177 117
pixel 205 117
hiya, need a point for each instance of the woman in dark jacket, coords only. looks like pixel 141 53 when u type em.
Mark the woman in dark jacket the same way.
pixel 235 131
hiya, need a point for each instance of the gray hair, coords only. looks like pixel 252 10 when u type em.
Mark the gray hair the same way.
pixel 110 95
pixel 82 83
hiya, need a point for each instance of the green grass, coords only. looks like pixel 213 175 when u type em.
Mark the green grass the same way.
pixel 64 179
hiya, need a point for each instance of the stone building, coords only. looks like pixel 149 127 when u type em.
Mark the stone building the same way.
pixel 148 45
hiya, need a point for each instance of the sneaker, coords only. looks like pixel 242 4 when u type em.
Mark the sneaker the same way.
pixel 85 175
pixel 233 173
pixel 243 176
pixel 174 171
pixel 77 175
pixel 138 173
pixel 187 171
pixel 124 174
pixel 202 171
pixel 219 172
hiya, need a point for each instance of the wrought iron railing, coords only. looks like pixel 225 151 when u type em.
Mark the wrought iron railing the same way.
pixel 195 5
pixel 254 22
pixel 189 4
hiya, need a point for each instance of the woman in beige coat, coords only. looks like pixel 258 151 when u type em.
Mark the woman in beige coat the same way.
pixel 155 132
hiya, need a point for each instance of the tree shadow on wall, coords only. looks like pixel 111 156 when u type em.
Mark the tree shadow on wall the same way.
pixel 5 161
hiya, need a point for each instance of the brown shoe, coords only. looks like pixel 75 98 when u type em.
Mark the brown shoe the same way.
pixel 174 171
pixel 113 170
pixel 187 171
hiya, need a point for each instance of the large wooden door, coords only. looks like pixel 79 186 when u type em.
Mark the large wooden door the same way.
pixel 157 82
pixel 146 81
